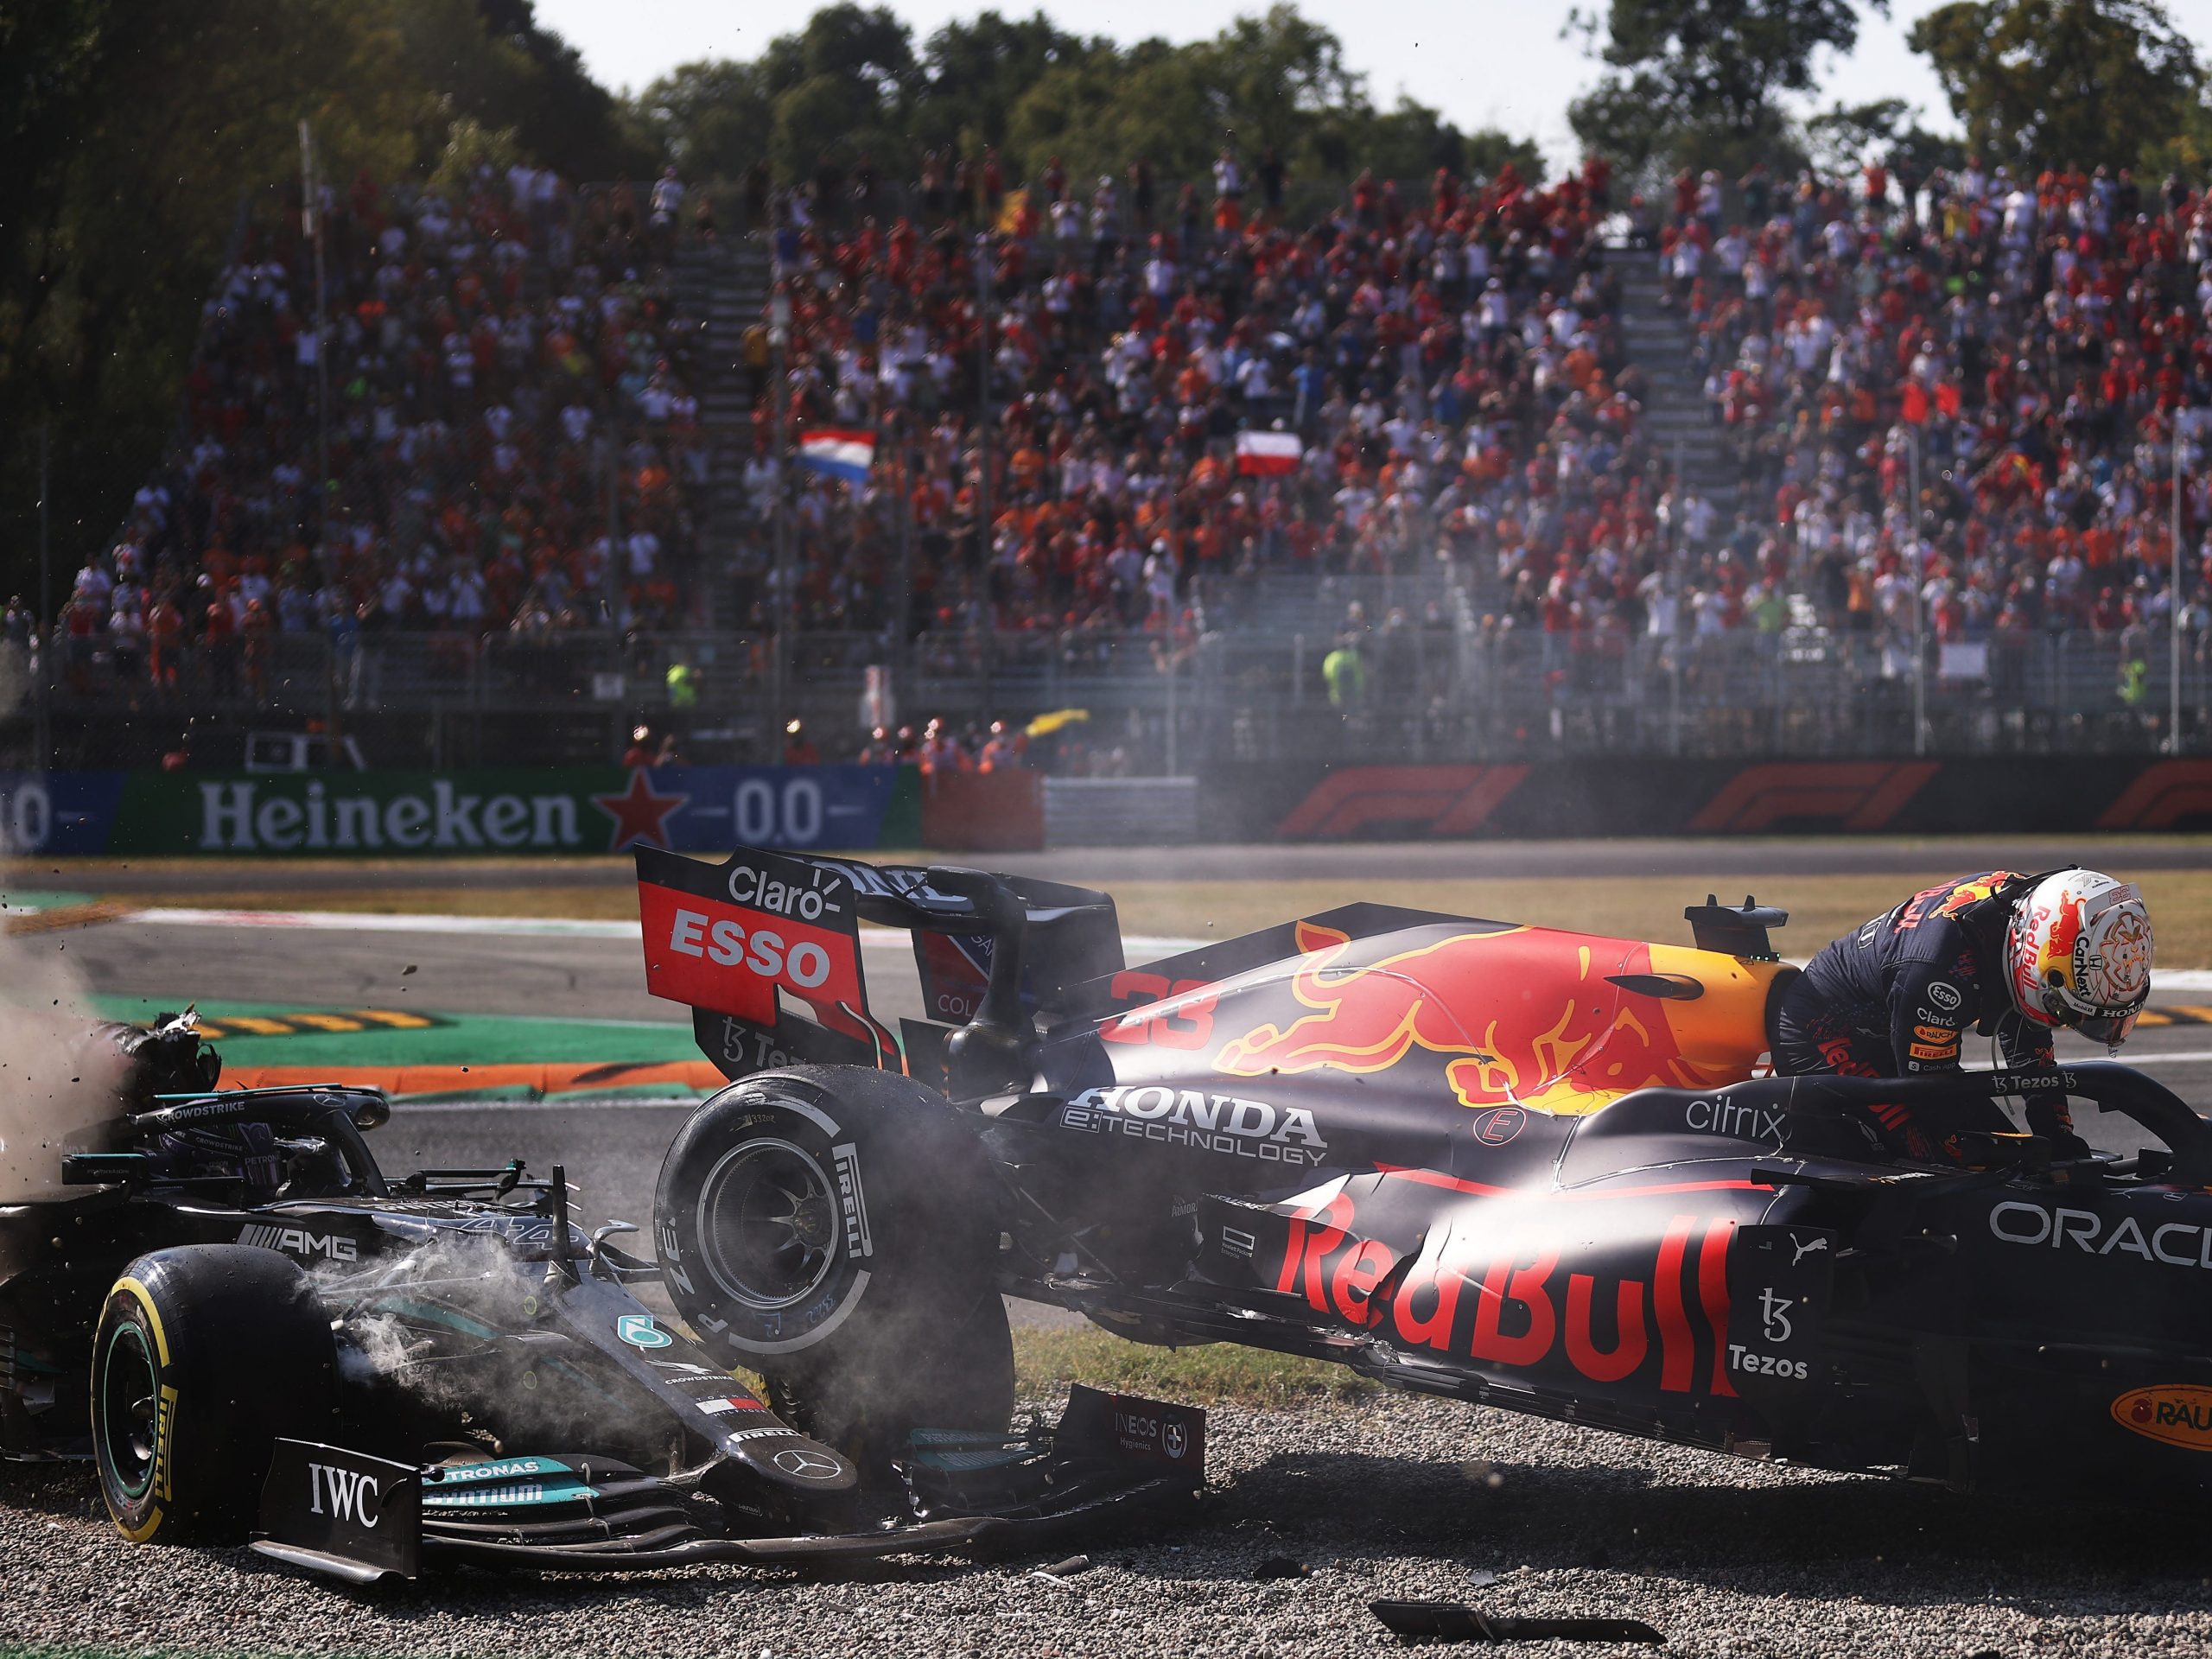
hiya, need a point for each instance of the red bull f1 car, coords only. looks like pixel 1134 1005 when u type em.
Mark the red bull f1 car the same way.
pixel 1505 1164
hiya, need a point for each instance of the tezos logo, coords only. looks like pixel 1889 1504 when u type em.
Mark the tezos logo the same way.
pixel 1774 1315
pixel 1741 1358
pixel 2174 1414
pixel 1943 993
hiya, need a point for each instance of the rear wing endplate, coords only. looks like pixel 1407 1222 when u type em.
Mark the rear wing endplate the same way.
pixel 765 948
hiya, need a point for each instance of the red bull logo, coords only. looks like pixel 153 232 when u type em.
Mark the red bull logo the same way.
pixel 1526 1015
pixel 1522 1302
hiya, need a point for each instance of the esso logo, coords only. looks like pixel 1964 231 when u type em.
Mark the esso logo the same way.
pixel 765 952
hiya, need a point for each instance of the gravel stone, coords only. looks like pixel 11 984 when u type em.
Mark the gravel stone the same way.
pixel 1401 1497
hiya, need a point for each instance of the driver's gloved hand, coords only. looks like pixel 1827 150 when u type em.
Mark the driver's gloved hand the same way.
pixel 2066 1146
pixel 2056 1127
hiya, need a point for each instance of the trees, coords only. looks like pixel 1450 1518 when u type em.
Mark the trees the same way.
pixel 1697 82
pixel 2055 82
pixel 711 119
pixel 1888 131
pixel 850 82
pixel 136 128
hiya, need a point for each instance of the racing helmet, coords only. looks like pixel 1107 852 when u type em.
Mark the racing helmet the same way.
pixel 2077 953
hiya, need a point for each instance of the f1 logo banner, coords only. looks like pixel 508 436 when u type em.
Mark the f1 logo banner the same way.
pixel 1841 794
pixel 1439 801
pixel 728 937
pixel 354 1510
pixel 2165 796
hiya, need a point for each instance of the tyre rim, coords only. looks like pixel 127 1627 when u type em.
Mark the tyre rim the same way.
pixel 129 1423
pixel 768 1218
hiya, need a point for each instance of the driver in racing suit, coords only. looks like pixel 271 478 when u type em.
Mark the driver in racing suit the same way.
pixel 2014 956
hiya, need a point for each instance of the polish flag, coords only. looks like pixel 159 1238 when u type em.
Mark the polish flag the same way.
pixel 1267 455
pixel 840 453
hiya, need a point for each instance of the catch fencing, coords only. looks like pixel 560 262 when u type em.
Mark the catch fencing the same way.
pixel 1154 704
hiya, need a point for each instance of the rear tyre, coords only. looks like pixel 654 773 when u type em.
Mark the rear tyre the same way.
pixel 837 1231
pixel 205 1355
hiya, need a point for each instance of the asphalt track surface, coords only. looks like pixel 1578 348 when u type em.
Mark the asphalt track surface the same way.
pixel 1748 856
pixel 1400 1498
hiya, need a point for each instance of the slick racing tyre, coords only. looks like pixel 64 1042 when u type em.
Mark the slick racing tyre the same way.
pixel 206 1355
pixel 837 1231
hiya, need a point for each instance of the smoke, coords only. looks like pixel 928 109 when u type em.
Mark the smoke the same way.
pixel 59 1075
pixel 523 1395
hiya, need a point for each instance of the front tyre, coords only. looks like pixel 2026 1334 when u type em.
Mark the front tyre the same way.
pixel 205 1355
pixel 837 1231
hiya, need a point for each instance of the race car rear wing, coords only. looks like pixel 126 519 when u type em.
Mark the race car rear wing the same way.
pixel 766 949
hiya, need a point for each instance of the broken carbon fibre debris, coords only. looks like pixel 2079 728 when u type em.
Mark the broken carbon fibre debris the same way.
pixel 1452 1621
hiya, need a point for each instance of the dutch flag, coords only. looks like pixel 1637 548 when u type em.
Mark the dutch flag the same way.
pixel 840 453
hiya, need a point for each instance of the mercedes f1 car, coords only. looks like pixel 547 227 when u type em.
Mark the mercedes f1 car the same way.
pixel 222 1300
pixel 1535 1169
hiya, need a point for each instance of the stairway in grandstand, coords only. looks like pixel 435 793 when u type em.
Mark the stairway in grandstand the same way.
pixel 725 285
pixel 1674 411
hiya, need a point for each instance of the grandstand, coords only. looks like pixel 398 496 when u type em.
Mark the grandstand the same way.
pixel 1568 475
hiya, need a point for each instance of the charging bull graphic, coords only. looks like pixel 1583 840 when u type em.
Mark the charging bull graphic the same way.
pixel 1525 1016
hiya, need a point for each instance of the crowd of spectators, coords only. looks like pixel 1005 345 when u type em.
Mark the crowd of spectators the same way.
pixel 512 438
pixel 1065 378
pixel 1448 360
pixel 2039 344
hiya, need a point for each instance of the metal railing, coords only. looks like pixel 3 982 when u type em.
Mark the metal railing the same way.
pixel 1416 692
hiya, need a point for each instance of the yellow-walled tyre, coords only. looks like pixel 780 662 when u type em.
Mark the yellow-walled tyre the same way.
pixel 204 1356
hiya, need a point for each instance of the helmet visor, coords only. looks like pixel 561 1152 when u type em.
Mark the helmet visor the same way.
pixel 2110 1029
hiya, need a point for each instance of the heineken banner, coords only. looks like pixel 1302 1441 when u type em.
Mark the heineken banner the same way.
pixel 395 814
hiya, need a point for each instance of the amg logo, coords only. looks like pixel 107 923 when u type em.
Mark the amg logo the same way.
pixel 297 1241
pixel 857 1242
pixel 354 1496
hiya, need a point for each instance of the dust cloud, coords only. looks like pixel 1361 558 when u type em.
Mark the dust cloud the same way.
pixel 60 1075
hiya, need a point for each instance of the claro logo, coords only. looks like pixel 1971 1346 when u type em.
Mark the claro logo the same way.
pixel 2175 1413
pixel 2177 1244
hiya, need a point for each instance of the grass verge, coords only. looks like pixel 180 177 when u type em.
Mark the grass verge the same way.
pixel 1218 1374
pixel 1045 1362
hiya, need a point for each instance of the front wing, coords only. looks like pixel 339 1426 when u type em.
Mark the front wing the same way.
pixel 342 1513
